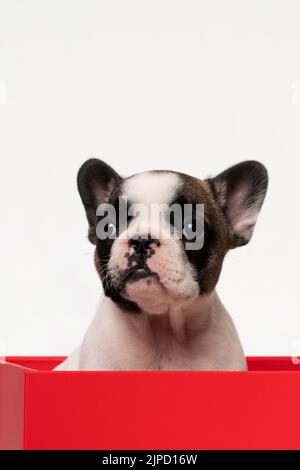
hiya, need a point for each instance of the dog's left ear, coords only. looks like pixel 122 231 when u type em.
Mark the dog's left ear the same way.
pixel 240 192
pixel 95 180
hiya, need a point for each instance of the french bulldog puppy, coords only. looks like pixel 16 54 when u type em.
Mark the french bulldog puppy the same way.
pixel 160 309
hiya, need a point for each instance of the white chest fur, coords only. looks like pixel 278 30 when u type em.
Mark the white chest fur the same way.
pixel 201 338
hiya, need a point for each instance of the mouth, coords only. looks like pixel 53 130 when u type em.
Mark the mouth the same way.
pixel 136 273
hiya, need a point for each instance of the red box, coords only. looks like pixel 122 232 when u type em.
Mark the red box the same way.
pixel 43 409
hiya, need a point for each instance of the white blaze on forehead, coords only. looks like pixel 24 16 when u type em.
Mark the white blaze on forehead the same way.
pixel 151 188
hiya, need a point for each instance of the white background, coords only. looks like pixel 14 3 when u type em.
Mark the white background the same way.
pixel 193 86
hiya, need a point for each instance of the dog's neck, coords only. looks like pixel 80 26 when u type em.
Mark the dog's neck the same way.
pixel 183 320
pixel 195 336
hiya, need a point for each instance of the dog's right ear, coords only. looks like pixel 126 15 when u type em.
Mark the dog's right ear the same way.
pixel 95 181
pixel 240 192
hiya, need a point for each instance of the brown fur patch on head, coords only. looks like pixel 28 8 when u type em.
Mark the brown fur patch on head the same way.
pixel 207 261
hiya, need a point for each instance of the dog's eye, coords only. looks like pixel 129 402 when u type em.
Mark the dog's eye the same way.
pixel 188 230
pixel 111 229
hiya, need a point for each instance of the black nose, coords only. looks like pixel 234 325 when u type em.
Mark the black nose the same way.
pixel 143 244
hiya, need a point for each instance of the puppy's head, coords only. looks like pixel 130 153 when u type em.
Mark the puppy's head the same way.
pixel 161 236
